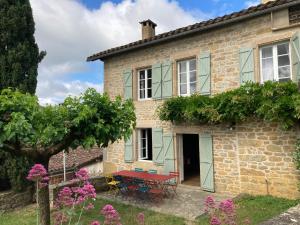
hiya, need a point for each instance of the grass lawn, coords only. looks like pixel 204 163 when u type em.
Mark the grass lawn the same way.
pixel 127 213
pixel 257 209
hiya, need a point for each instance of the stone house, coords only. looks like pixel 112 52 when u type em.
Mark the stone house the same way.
pixel 256 44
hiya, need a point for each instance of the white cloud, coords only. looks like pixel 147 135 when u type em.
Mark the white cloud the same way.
pixel 52 91
pixel 70 32
pixel 252 3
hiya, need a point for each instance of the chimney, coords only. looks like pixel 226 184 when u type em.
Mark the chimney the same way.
pixel 265 1
pixel 148 29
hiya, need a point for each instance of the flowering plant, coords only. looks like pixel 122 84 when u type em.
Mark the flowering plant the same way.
pixel 70 199
pixel 223 213
pixel 39 175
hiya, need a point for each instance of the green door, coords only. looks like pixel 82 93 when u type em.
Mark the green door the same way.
pixel 206 162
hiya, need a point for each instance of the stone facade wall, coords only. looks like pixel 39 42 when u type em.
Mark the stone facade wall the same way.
pixel 254 158
pixel 10 200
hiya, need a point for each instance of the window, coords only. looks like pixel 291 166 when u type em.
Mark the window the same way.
pixel 275 62
pixel 145 84
pixel 145 144
pixel 187 77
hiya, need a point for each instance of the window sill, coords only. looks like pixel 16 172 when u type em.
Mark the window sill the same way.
pixel 145 160
pixel 146 99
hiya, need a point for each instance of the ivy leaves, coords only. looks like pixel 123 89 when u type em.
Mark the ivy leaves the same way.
pixel 271 101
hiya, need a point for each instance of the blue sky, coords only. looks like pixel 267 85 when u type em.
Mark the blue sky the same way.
pixel 71 30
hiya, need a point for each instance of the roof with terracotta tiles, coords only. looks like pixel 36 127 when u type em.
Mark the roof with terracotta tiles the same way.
pixel 74 159
pixel 198 27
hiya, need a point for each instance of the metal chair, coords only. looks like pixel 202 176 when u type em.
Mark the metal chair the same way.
pixel 138 170
pixel 111 183
pixel 152 171
pixel 173 183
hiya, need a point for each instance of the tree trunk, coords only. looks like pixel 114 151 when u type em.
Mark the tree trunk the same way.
pixel 44 203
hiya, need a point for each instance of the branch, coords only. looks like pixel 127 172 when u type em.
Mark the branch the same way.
pixel 62 145
pixel 18 149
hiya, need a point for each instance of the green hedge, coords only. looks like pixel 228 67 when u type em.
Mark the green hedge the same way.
pixel 271 101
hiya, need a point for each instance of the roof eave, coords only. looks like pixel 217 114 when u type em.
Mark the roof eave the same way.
pixel 186 33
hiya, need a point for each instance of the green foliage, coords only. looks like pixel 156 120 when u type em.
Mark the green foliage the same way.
pixel 15 168
pixel 271 101
pixel 87 120
pixel 19 53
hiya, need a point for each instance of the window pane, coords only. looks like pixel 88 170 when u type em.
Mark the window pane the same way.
pixel 149 92
pixel 183 88
pixel 142 74
pixel 183 78
pixel 267 69
pixel 267 52
pixel 149 83
pixel 142 94
pixel 283 49
pixel 142 84
pixel 193 76
pixel 149 73
pixel 193 88
pixel 283 60
pixel 144 153
pixel 192 64
pixel 284 72
pixel 182 67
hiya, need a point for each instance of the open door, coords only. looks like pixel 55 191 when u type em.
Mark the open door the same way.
pixel 206 162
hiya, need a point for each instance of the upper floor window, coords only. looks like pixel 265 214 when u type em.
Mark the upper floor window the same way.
pixel 145 144
pixel 275 62
pixel 145 84
pixel 187 77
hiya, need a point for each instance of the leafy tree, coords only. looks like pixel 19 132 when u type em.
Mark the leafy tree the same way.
pixel 19 53
pixel 19 59
pixel 38 132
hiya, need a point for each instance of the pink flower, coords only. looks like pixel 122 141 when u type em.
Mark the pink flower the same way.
pixel 89 206
pixel 37 172
pixel 227 206
pixel 215 221
pixel 210 203
pixel 141 218
pixel 65 197
pixel 111 215
pixel 95 223
pixel 82 174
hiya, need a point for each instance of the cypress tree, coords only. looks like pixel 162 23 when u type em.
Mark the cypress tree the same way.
pixel 19 53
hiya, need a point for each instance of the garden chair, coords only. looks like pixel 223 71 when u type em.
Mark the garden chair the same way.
pixel 111 183
pixel 122 185
pixel 152 171
pixel 172 183
pixel 156 194
pixel 138 170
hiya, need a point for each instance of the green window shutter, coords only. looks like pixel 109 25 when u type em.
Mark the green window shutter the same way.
pixel 167 84
pixel 127 79
pixel 128 154
pixel 246 65
pixel 169 153
pixel 295 45
pixel 156 81
pixel 206 162
pixel 157 145
pixel 204 74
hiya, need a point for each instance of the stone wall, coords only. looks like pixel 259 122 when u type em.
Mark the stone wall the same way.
pixel 98 182
pixel 254 158
pixel 10 200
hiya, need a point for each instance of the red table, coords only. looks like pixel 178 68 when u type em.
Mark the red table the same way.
pixel 144 175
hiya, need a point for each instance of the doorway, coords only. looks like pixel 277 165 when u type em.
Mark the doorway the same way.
pixel 190 160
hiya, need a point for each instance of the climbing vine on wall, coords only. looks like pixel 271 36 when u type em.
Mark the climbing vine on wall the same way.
pixel 271 101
